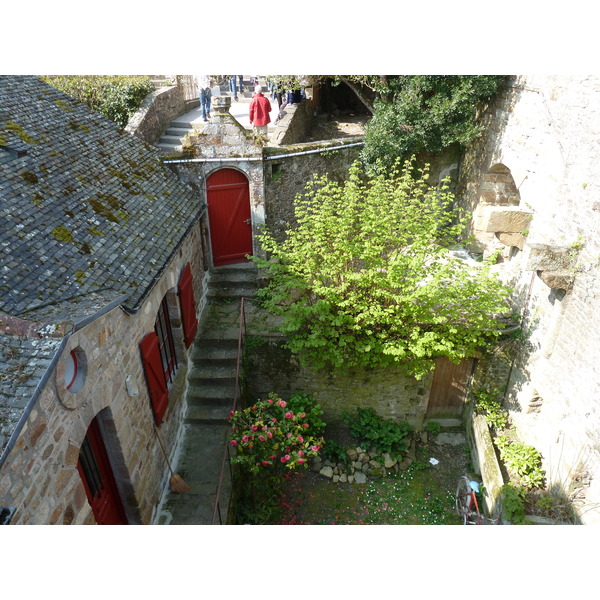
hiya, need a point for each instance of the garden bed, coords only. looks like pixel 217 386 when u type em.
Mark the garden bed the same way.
pixel 418 492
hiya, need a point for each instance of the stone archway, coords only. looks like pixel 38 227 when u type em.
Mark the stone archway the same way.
pixel 500 225
pixel 498 187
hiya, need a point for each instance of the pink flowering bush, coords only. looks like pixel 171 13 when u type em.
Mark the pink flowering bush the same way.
pixel 275 432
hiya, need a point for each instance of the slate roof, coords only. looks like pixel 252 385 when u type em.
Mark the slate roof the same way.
pixel 89 215
pixel 83 205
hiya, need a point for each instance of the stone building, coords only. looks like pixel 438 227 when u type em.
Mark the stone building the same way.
pixel 102 278
pixel 531 182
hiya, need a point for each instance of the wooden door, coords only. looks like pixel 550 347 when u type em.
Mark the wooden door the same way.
pixel 98 479
pixel 449 388
pixel 228 199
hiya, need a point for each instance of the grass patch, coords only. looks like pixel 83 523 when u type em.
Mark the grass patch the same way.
pixel 410 497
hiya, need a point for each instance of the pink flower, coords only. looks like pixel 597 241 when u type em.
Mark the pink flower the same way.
pixel 300 439
pixel 305 425
pixel 316 448
pixel 289 415
pixel 285 458
pixel 302 415
pixel 261 438
pixel 282 403
pixel 300 452
pixel 270 401
pixel 289 435
pixel 265 463
pixel 245 438
pixel 301 461
pixel 254 428
pixel 269 434
pixel 233 442
pixel 274 420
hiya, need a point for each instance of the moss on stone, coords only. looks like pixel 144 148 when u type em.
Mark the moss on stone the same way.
pixel 20 132
pixel 63 105
pixel 103 210
pixel 80 276
pixel 29 177
pixel 62 234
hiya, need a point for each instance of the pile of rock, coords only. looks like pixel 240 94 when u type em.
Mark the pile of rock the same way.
pixel 362 465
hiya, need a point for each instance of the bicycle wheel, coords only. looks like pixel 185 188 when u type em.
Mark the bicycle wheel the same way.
pixel 463 499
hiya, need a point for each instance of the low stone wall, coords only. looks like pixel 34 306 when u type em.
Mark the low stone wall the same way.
pixel 157 111
pixel 295 124
pixel 389 391
pixel 485 463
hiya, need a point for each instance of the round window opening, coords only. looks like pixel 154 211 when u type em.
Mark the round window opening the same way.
pixel 74 371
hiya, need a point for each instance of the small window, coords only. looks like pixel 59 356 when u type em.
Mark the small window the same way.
pixel 75 370
pixel 162 327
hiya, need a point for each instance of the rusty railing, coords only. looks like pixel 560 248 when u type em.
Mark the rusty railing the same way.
pixel 225 462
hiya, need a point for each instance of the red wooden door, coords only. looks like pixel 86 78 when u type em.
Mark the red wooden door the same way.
pixel 228 199
pixel 98 479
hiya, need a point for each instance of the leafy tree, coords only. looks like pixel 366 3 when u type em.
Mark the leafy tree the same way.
pixel 424 113
pixel 365 278
pixel 413 114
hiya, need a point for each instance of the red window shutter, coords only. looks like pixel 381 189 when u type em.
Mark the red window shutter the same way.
pixel 188 306
pixel 155 377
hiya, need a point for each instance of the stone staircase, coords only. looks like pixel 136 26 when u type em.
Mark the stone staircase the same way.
pixel 210 394
pixel 171 140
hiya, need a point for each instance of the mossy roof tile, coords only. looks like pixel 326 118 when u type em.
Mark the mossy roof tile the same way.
pixel 85 176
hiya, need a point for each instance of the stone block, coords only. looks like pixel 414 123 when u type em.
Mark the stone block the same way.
pixel 512 239
pixel 543 257
pixel 505 219
pixel 557 281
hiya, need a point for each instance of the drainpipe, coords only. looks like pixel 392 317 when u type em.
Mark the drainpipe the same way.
pixel 261 158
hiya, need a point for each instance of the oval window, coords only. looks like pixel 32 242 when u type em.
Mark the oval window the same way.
pixel 71 369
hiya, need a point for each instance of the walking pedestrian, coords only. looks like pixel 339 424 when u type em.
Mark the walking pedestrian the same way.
pixel 259 110
pixel 204 84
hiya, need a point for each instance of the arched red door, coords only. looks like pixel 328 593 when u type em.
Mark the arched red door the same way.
pixel 98 479
pixel 228 199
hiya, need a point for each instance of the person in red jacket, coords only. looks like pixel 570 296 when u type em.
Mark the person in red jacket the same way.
pixel 260 107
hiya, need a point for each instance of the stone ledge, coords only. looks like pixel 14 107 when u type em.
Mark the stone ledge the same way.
pixel 501 219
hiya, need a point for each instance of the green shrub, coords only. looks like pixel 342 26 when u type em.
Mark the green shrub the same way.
pixel 386 435
pixel 433 427
pixel 114 96
pixel 513 504
pixel 488 405
pixel 335 452
pixel 521 460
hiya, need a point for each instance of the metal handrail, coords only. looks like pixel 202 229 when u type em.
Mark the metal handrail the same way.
pixel 236 397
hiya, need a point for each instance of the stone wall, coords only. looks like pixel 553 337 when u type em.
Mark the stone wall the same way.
pixel 157 111
pixel 289 170
pixel 539 158
pixel 390 391
pixel 295 124
pixel 40 477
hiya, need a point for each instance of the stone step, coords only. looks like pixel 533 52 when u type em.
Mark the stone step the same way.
pixel 179 132
pixel 212 376
pixel 182 123
pixel 447 423
pixel 211 390
pixel 169 148
pixel 218 337
pixel 171 139
pixel 231 292
pixel 245 277
pixel 208 414
pixel 222 350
